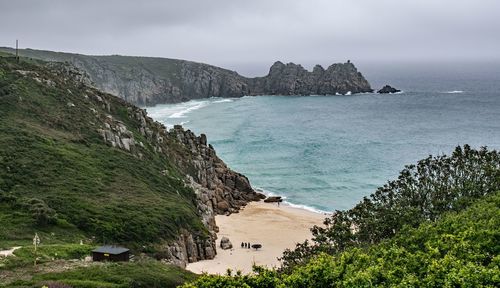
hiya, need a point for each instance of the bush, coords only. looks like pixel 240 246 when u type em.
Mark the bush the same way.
pixel 459 250
pixel 41 212
pixel 422 192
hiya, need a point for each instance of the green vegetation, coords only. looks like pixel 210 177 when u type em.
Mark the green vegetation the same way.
pixel 58 178
pixel 422 193
pixel 459 250
pixel 113 275
pixel 57 174
pixel 437 225
pixel 25 256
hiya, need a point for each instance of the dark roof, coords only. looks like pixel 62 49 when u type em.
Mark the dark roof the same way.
pixel 110 249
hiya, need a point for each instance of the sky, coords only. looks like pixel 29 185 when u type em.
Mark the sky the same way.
pixel 248 36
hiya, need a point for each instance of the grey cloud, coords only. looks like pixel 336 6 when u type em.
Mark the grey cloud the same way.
pixel 236 33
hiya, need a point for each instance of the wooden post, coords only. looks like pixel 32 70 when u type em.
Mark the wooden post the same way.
pixel 36 242
pixel 17 50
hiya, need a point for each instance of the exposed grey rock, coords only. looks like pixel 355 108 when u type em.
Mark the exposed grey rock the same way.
pixel 225 243
pixel 272 199
pixel 388 89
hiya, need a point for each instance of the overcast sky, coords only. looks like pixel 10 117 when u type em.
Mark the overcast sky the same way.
pixel 242 34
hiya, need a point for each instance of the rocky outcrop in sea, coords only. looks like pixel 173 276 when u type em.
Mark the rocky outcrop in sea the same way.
pixel 387 89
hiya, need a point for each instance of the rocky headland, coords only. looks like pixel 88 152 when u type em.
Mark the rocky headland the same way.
pixel 147 81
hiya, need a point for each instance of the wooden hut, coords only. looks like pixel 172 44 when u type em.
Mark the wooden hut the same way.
pixel 110 253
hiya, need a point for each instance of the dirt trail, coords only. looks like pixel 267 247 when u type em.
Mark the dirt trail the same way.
pixel 5 253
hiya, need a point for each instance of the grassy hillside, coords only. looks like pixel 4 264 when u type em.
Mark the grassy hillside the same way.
pixel 60 179
pixel 146 274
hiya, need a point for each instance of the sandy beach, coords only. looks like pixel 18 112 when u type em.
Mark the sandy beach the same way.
pixel 276 228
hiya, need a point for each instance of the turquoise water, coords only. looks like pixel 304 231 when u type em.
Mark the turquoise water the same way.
pixel 327 152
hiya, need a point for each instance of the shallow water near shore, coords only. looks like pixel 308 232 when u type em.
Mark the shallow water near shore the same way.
pixel 328 152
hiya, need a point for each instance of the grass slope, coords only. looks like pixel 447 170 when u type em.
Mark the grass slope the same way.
pixel 113 275
pixel 59 178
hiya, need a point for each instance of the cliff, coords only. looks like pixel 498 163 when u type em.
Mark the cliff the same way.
pixel 150 81
pixel 78 163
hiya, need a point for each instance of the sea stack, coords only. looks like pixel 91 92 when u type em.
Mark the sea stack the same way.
pixel 387 89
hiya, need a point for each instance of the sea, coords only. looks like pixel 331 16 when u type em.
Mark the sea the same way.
pixel 325 153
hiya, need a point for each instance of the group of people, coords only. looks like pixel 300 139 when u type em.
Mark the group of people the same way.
pixel 245 245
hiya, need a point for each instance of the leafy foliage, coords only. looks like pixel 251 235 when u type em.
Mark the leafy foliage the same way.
pixel 461 249
pixel 422 192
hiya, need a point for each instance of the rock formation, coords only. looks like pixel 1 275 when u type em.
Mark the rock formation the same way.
pixel 273 199
pixel 293 79
pixel 388 90
pixel 148 81
pixel 225 243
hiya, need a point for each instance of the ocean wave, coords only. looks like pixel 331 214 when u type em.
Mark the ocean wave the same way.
pixel 454 92
pixel 307 208
pixel 287 203
pixel 223 101
pixel 188 107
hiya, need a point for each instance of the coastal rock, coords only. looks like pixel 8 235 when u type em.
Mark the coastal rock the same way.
pixel 222 206
pixel 225 243
pixel 272 199
pixel 293 79
pixel 149 81
pixel 388 90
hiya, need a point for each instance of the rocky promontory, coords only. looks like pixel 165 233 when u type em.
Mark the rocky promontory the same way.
pixel 147 81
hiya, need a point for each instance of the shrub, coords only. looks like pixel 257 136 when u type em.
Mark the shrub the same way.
pixel 41 212
pixel 422 192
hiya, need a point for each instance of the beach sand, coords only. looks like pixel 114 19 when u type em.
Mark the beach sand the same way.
pixel 276 228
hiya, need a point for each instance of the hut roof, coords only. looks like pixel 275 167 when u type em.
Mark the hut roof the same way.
pixel 110 249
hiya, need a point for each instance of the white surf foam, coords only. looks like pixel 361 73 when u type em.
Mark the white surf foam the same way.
pixel 223 101
pixel 454 92
pixel 189 107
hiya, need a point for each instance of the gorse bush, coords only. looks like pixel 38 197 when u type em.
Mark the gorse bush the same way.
pixel 422 192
